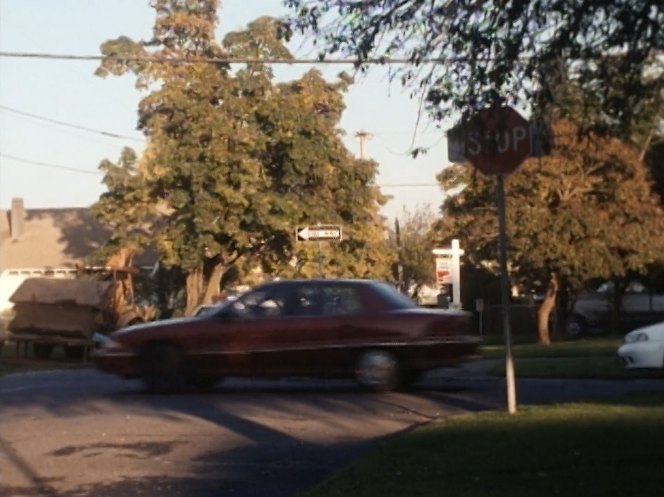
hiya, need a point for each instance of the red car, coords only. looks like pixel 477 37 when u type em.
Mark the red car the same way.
pixel 323 328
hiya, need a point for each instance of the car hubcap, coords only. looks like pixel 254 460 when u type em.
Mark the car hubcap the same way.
pixel 377 370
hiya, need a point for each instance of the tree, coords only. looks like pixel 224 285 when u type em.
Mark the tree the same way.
pixel 230 168
pixel 587 211
pixel 123 207
pixel 414 267
pixel 317 180
pixel 491 51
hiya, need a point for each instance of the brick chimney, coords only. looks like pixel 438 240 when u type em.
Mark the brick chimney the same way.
pixel 17 220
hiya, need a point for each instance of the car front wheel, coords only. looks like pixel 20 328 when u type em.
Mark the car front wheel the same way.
pixel 378 370
pixel 162 368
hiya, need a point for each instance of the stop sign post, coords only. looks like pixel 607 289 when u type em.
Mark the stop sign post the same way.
pixel 496 141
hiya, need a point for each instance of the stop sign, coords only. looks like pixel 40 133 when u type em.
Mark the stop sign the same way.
pixel 496 140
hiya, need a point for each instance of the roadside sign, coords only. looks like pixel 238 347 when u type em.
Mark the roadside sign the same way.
pixel 444 270
pixel 448 269
pixel 497 140
pixel 319 233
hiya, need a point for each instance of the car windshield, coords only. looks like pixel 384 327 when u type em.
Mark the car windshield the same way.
pixel 261 302
pixel 206 310
pixel 394 297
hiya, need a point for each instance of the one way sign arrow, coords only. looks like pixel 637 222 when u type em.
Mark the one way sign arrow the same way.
pixel 318 233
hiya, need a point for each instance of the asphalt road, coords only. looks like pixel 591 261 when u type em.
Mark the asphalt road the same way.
pixel 80 433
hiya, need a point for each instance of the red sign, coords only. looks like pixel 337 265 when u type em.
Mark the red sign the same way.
pixel 443 271
pixel 495 140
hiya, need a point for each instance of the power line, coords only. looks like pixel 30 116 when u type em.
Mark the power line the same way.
pixel 69 125
pixel 408 185
pixel 231 60
pixel 85 171
pixel 383 60
pixel 48 164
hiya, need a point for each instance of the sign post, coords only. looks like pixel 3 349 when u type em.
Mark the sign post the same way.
pixel 319 233
pixel 496 141
pixel 505 296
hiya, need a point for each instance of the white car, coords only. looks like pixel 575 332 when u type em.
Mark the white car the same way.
pixel 644 347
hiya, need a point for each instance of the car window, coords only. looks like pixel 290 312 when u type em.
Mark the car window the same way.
pixel 267 302
pixel 340 300
pixel 305 301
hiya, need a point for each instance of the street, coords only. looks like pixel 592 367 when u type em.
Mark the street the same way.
pixel 79 433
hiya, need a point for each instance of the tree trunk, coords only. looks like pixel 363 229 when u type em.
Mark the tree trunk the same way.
pixel 194 290
pixel 213 283
pixel 544 311
pixel 200 288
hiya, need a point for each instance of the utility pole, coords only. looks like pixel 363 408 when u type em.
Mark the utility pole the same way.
pixel 397 231
pixel 363 136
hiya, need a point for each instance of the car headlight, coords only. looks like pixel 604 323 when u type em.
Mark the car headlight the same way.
pixel 636 337
pixel 113 345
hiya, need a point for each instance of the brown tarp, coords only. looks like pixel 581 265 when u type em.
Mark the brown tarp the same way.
pixel 60 320
pixel 80 292
pixel 59 307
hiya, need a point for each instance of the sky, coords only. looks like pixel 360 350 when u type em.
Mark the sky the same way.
pixel 68 91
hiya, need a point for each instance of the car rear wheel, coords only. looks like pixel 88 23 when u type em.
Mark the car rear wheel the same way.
pixel 162 368
pixel 378 370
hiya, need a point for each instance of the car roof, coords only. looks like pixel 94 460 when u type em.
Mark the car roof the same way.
pixel 322 282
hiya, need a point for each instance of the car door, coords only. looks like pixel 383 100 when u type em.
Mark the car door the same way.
pixel 310 336
pixel 323 337
pixel 303 336
pixel 236 340
pixel 282 331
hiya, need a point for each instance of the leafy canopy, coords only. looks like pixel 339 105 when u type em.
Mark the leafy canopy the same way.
pixel 492 51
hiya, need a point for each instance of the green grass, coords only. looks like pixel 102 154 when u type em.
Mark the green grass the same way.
pixel 591 367
pixel 573 348
pixel 583 359
pixel 588 449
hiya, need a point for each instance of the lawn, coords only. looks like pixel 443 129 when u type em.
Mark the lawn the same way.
pixel 571 348
pixel 584 359
pixel 583 449
pixel 586 449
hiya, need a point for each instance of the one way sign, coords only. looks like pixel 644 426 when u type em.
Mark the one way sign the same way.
pixel 318 233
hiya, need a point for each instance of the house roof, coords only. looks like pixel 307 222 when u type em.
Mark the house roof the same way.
pixel 50 238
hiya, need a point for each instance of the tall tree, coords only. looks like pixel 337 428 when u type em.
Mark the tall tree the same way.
pixel 413 245
pixel 497 50
pixel 226 161
pixel 585 212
